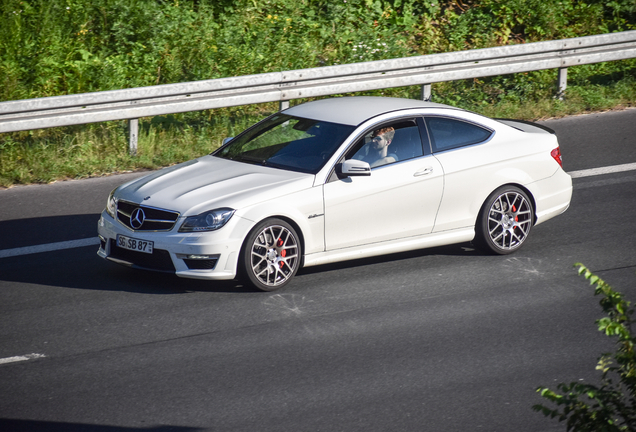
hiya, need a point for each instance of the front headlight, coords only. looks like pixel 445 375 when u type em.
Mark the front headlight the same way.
pixel 111 204
pixel 208 221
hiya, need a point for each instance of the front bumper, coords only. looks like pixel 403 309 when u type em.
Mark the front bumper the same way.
pixel 209 255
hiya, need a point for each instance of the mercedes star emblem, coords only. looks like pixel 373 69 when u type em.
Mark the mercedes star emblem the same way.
pixel 137 218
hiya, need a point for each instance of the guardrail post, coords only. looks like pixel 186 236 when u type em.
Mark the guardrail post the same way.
pixel 283 105
pixel 563 83
pixel 133 133
pixel 426 92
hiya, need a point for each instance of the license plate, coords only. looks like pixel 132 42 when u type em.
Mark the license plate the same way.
pixel 134 244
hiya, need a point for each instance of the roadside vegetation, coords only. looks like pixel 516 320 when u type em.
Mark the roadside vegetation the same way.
pixel 50 48
pixel 610 406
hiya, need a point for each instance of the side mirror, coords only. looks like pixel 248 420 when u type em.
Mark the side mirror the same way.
pixel 354 167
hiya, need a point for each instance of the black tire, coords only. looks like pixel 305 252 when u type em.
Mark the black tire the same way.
pixel 505 221
pixel 271 255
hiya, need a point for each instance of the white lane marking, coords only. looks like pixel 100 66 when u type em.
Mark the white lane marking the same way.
pixel 94 240
pixel 49 247
pixel 605 170
pixel 21 358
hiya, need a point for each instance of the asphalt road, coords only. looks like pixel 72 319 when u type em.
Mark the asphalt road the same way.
pixel 444 339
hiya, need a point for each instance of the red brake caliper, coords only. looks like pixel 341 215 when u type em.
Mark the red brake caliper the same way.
pixel 283 253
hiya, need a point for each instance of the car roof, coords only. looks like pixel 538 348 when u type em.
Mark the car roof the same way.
pixel 354 110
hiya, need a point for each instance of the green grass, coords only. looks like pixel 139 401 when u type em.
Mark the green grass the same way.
pixel 50 48
pixel 43 156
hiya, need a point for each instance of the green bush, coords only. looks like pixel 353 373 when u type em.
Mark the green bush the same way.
pixel 610 407
pixel 73 46
pixel 60 47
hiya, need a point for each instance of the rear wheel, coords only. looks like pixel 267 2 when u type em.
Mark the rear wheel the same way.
pixel 505 221
pixel 271 255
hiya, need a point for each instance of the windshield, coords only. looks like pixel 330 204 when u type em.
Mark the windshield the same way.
pixel 286 142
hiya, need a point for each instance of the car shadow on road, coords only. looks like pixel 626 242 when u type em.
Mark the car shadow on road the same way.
pixel 18 425
pixel 81 268
pixel 19 233
pixel 461 249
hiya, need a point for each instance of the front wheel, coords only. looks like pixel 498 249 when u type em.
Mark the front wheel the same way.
pixel 271 255
pixel 505 221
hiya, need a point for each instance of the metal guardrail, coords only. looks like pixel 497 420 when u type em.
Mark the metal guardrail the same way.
pixel 283 86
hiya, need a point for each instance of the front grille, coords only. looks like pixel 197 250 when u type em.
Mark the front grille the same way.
pixel 153 219
pixel 201 264
pixel 158 260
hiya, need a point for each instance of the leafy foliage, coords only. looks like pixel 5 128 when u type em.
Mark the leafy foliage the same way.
pixel 610 407
pixel 73 46
pixel 60 47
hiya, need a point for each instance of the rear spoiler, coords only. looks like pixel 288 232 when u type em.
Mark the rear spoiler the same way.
pixel 526 126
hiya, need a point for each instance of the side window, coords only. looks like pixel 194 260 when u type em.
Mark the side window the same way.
pixel 448 133
pixel 388 143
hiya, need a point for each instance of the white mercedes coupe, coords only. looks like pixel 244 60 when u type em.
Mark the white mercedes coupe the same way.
pixel 339 179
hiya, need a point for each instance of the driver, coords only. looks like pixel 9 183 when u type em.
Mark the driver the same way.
pixel 377 149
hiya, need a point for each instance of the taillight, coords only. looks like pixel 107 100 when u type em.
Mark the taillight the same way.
pixel 556 154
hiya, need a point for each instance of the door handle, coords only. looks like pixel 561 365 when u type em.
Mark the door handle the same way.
pixel 423 171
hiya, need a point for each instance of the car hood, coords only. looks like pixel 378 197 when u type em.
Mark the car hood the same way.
pixel 211 182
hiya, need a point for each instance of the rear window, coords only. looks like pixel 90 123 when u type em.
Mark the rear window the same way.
pixel 449 133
